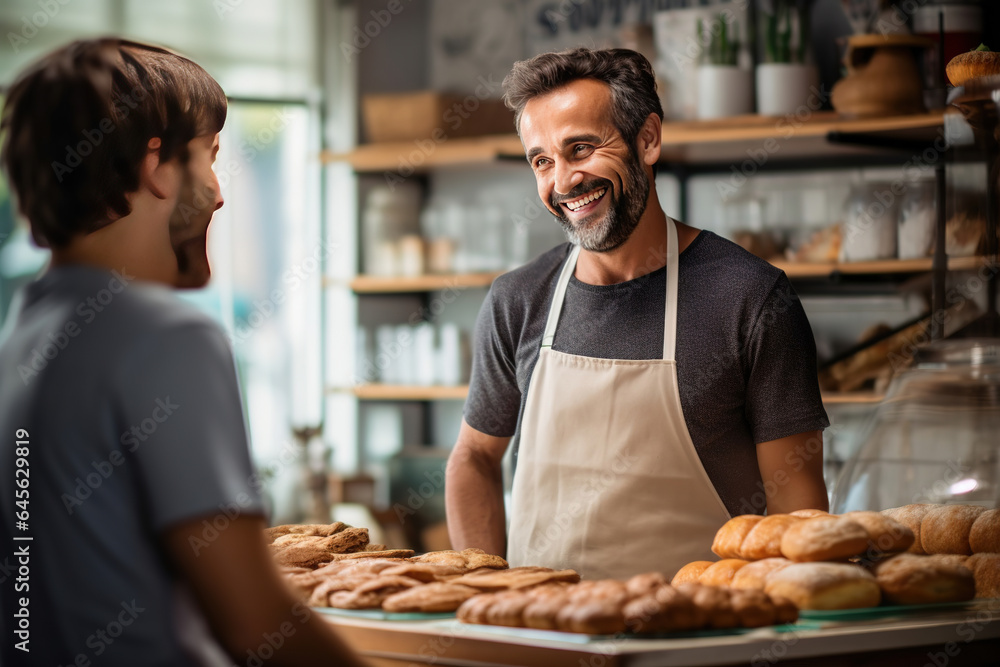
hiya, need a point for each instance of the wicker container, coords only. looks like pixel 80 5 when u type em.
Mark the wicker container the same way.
pixel 434 116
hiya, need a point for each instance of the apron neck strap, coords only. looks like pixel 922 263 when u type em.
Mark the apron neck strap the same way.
pixel 670 312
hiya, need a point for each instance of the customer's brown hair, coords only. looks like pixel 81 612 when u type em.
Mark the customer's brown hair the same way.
pixel 628 74
pixel 78 123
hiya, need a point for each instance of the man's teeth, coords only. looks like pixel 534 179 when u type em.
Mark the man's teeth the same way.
pixel 578 203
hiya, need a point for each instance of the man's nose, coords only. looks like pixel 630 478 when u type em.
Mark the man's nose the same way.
pixel 567 177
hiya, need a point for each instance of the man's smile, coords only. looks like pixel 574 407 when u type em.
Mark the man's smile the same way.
pixel 582 202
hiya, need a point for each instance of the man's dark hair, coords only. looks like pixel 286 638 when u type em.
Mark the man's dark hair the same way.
pixel 627 73
pixel 78 123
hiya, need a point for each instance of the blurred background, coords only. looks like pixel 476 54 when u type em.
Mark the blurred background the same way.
pixel 374 188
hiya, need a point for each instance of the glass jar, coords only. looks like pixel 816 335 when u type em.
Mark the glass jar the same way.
pixel 936 436
pixel 917 215
pixel 870 217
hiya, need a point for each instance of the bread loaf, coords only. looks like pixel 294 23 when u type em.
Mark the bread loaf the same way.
pixel 984 537
pixel 986 570
pixel 824 538
pixel 911 516
pixel 754 575
pixel 691 572
pixel 885 534
pixel 729 539
pixel 914 579
pixel 764 539
pixel 825 586
pixel 946 529
pixel 722 572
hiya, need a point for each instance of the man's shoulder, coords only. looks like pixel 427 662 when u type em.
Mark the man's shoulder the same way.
pixel 725 262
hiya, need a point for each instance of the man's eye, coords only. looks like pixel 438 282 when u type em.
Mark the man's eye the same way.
pixel 581 148
pixel 541 162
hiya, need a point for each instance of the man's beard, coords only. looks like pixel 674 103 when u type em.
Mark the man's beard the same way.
pixel 189 235
pixel 623 215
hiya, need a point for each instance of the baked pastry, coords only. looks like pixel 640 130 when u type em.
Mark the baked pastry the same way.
pixel 753 608
pixel 310 551
pixel 474 609
pixel 808 513
pixel 716 604
pixel 972 65
pixel 690 572
pixel 986 570
pixel 764 540
pixel 753 576
pixel 518 577
pixel 946 529
pixel 722 572
pixel 469 559
pixel 426 572
pixel 823 538
pixel 680 611
pixel 729 539
pixel 911 516
pixel 320 530
pixel 431 598
pixel 885 534
pixel 984 537
pixel 825 586
pixel 645 583
pixel 601 617
pixel 914 579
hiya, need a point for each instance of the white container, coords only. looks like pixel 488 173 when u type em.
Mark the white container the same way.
pixel 870 220
pixel 784 88
pixel 389 215
pixel 917 216
pixel 724 91
pixel 425 360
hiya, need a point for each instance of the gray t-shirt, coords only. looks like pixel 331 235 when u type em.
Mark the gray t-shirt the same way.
pixel 746 357
pixel 134 423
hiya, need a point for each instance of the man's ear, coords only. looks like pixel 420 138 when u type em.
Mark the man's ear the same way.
pixel 649 139
pixel 156 176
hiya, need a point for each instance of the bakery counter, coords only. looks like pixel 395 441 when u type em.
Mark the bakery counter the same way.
pixel 967 635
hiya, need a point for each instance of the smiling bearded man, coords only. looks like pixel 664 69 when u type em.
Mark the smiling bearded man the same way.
pixel 654 377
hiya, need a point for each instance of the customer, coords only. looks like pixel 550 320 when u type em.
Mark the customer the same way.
pixel 119 402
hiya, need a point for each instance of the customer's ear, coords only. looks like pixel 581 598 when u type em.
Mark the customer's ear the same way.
pixel 158 177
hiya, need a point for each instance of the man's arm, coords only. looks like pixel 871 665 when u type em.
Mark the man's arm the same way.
pixel 473 492
pixel 246 603
pixel 792 471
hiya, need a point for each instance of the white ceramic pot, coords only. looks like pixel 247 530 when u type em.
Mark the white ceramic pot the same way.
pixel 723 91
pixel 783 88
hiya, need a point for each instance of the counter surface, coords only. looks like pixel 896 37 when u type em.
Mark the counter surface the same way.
pixel 970 636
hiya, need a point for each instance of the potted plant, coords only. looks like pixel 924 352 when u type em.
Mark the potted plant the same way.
pixel 784 77
pixel 725 88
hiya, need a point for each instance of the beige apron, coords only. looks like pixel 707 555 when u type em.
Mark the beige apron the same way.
pixel 608 481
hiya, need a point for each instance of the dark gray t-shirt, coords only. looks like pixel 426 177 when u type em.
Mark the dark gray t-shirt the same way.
pixel 746 357
pixel 130 401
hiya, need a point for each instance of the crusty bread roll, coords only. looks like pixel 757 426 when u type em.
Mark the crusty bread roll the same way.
pixel 691 572
pixel 824 538
pixel 885 534
pixel 946 529
pixel 986 570
pixel 808 513
pixel 722 572
pixel 764 539
pixel 825 586
pixel 753 576
pixel 914 579
pixel 984 537
pixel 911 516
pixel 729 538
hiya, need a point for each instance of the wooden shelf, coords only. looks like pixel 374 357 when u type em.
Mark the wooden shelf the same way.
pixel 886 266
pixel 689 142
pixel 392 285
pixel 852 398
pixel 395 392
